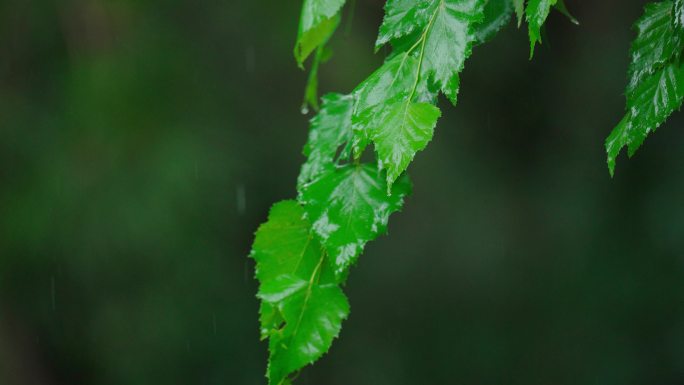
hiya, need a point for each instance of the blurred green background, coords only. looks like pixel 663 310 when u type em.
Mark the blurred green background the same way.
pixel 142 142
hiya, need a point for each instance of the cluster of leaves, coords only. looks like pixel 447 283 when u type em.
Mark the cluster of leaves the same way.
pixel 304 251
pixel 655 86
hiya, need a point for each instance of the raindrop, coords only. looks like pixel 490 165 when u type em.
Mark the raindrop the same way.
pixel 305 109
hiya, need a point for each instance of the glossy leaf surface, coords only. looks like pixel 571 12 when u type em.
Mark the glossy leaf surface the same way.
pixel 313 315
pixel 318 20
pixel 656 80
pixel 519 6
pixel 449 42
pixel 651 102
pixel 658 41
pixel 497 13
pixel 392 107
pixel 306 248
pixel 446 33
pixel 402 18
pixel 402 131
pixel 536 13
pixel 348 207
pixel 302 306
pixel 330 129
pixel 391 82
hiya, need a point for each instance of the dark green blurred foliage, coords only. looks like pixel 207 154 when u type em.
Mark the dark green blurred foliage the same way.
pixel 141 143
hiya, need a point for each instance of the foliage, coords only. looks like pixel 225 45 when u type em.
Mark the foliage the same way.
pixel 298 289
pixel 306 248
pixel 655 87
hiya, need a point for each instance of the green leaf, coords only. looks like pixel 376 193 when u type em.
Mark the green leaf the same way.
pixel 391 82
pixel 536 12
pixel 348 207
pixel 658 42
pixel 305 249
pixel 519 6
pixel 497 13
pixel 402 18
pixel 318 21
pixel 656 97
pixel 313 314
pixel 330 129
pixel 447 33
pixel 655 86
pixel 311 88
pixel 269 319
pixel 404 129
pixel 449 40
pixel 323 53
pixel 437 37
pixel 562 8
pixel 654 100
pixel 618 138
pixel 302 307
pixel 679 13
pixel 283 245
pixel 282 287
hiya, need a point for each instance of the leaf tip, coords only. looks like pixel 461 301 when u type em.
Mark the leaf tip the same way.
pixel 299 60
pixel 611 166
pixel 379 43
pixel 533 43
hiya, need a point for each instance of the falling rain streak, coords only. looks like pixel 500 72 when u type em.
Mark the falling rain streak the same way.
pixel 53 295
pixel 241 199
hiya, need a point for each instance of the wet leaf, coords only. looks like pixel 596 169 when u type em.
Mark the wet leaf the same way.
pixel 652 101
pixel 330 130
pixel 497 13
pixel 302 306
pixel 318 20
pixel 402 131
pixel 449 42
pixel 656 79
pixel 348 207
pixel 536 13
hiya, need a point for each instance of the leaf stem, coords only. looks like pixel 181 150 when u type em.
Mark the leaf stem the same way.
pixel 314 274
pixel 422 41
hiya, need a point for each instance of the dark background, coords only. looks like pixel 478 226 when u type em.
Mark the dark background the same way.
pixel 142 142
